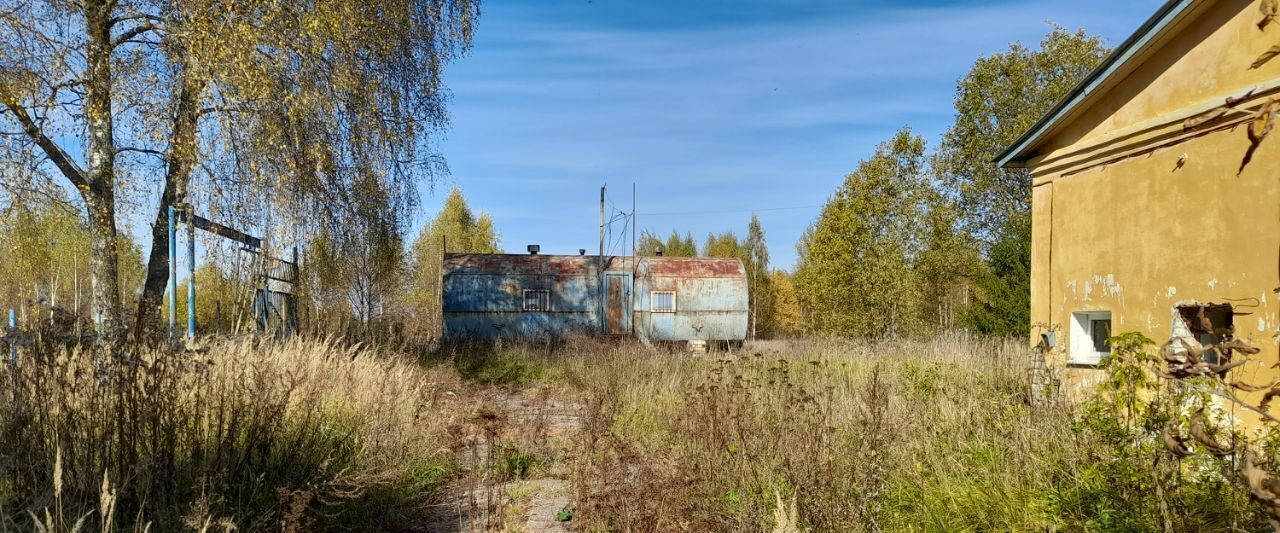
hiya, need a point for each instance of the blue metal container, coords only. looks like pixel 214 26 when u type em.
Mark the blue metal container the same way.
pixel 685 299
pixel 492 296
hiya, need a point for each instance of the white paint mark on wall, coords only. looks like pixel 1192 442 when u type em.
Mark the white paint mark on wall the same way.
pixel 1110 287
pixel 1213 283
pixel 1071 286
pixel 1171 292
pixel 1088 290
pixel 1262 324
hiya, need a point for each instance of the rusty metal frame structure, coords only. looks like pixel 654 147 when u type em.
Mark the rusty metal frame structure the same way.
pixel 252 244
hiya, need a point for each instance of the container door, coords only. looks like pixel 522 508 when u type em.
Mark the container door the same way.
pixel 616 304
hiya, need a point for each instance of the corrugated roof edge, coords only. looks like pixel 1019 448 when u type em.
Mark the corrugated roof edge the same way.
pixel 1015 156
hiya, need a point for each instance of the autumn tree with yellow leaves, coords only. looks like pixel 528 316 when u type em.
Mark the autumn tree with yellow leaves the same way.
pixel 318 112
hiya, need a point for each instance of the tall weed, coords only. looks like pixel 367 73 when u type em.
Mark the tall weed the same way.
pixel 293 435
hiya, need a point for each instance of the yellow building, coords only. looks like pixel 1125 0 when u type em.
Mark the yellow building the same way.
pixel 1142 217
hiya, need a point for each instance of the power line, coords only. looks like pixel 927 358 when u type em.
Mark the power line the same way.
pixel 731 211
pixel 621 238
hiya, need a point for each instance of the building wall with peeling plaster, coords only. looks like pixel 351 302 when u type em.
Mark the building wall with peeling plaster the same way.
pixel 1137 209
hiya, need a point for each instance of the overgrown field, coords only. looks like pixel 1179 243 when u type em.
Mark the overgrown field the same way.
pixel 846 436
pixel 783 436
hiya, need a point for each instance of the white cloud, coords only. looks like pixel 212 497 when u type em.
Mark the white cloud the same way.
pixel 752 115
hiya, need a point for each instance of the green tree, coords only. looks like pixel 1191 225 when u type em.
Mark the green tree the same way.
pixel 322 291
pixel 1000 98
pixel 948 265
pixel 755 256
pixel 375 269
pixel 681 247
pixel 648 244
pixel 1003 304
pixel 222 303
pixel 722 245
pixel 456 229
pixel 787 315
pixel 675 245
pixel 44 246
pixel 855 275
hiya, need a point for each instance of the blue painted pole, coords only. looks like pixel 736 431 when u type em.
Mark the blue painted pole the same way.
pixel 173 272
pixel 191 279
pixel 13 328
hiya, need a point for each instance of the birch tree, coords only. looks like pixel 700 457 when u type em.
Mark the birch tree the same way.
pixel 317 102
pixel 787 317
pixel 755 254
pixel 856 274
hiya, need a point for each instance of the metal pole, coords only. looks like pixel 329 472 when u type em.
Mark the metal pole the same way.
pixel 13 345
pixel 291 301
pixel 600 285
pixel 173 272
pixel 191 278
pixel 440 289
pixel 265 291
pixel 633 225
pixel 632 311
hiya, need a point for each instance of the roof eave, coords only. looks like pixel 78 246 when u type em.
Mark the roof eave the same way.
pixel 1019 153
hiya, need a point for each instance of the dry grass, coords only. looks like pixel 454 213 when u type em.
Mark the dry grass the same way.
pixel 858 434
pixel 894 436
pixel 293 435
pixel 817 435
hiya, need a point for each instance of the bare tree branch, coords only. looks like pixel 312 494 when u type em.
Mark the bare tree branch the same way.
pixel 136 16
pixel 146 151
pixel 134 32
pixel 68 166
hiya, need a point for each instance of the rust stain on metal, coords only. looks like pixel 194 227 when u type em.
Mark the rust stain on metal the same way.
pixel 560 266
pixel 694 267
pixel 613 311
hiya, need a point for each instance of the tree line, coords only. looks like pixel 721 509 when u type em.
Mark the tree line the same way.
pixel 914 240
pixel 917 241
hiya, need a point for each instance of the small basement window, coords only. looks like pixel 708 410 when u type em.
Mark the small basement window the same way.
pixel 662 301
pixel 537 300
pixel 1089 333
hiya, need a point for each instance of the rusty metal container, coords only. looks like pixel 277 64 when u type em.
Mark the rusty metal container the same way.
pixel 658 299
pixel 690 299
pixel 492 296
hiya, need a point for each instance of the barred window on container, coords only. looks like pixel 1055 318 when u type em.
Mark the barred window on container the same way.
pixel 537 300
pixel 663 301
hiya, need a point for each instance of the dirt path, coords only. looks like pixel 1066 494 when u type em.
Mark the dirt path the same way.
pixel 515 447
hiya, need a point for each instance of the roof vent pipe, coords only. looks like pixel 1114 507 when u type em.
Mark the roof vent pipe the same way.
pixel 582 251
pixel 533 249
pixel 659 251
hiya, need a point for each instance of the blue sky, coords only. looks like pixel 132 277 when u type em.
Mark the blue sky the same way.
pixel 712 108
